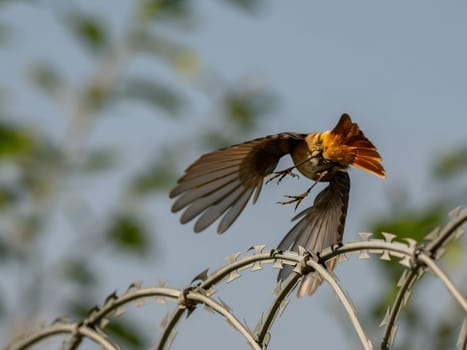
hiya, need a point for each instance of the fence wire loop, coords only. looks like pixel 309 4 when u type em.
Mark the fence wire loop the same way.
pixel 415 257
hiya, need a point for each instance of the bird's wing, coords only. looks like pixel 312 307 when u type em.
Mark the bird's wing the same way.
pixel 221 183
pixel 320 226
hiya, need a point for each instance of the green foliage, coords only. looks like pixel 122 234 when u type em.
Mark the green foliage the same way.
pixel 99 160
pixel 416 222
pixel 14 140
pixel 243 107
pixel 89 29
pixel 46 77
pixel 128 233
pixel 128 334
pixel 155 94
pixel 123 331
pixel 248 5
pixel 451 163
pixel 158 176
pixel 165 9
pixel 78 272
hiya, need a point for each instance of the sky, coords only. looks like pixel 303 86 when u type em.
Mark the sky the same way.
pixel 398 68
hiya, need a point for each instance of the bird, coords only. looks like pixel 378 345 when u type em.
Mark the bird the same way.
pixel 219 184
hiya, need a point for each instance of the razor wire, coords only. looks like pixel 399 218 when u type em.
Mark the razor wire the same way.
pixel 415 257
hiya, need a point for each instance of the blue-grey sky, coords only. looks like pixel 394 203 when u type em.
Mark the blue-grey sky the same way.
pixel 398 68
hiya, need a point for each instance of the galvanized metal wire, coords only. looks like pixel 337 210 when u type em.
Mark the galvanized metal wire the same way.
pixel 415 257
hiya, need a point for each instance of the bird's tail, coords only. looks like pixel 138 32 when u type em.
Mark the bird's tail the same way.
pixel 347 144
pixel 320 226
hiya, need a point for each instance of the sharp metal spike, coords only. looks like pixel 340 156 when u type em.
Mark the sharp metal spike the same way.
pixel 111 298
pixel 385 256
pixel 259 324
pixel 233 257
pixel 258 248
pixel 277 289
pixel 364 255
pixel 342 258
pixel 405 261
pixel 232 276
pixel 282 306
pixel 433 234
pixel 161 300
pixel 455 212
pixel 120 311
pixel 459 232
pixel 462 339
pixel 257 266
pixel 406 297
pixel 171 338
pixel 301 250
pixel 134 286
pixel 161 283
pixel 207 308
pixel 388 237
pixel 211 291
pixel 222 302
pixel 202 276
pixel 393 334
pixel 165 321
pixel 403 278
pixel 385 320
pixel 93 310
pixel 277 264
pixel 439 253
pixel 103 323
pixel 267 339
pixel 365 236
pixel 411 242
pixel 247 327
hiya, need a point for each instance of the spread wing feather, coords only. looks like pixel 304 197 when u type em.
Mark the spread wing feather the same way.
pixel 319 227
pixel 221 183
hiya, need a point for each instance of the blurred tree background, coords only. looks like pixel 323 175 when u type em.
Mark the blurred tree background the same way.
pixel 49 165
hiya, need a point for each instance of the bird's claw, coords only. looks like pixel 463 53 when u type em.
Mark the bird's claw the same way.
pixel 281 174
pixel 295 199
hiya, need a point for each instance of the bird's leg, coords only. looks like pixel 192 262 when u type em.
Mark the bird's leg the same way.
pixel 298 199
pixel 281 174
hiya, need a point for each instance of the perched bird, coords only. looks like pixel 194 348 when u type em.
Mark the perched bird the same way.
pixel 220 184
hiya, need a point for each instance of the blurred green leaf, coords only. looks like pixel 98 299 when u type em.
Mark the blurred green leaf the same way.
pixel 128 333
pixel 96 95
pixel 451 163
pixel 217 139
pixel 125 331
pixel 14 140
pixel 414 223
pixel 128 233
pixel 158 176
pixel 46 77
pixel 8 195
pixel 155 94
pixel 183 59
pixel 90 30
pixel 245 106
pixel 99 160
pixel 252 6
pixel 78 272
pixel 165 9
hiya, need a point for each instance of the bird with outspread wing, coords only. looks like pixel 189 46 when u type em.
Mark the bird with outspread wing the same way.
pixel 220 184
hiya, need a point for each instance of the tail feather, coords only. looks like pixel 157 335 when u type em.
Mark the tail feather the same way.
pixel 347 144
